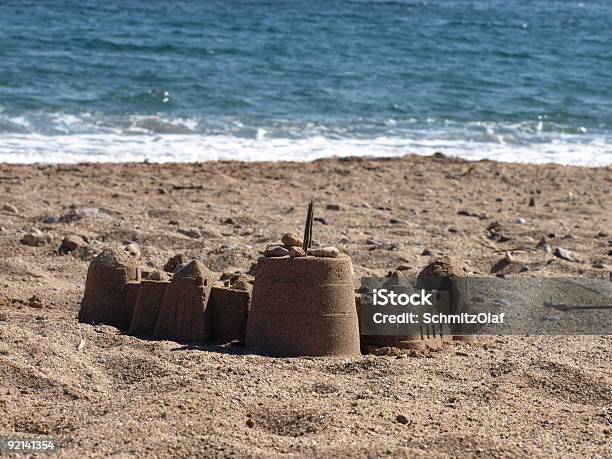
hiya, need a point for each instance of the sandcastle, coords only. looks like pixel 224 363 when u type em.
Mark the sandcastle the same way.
pixel 448 275
pixel 109 289
pixel 428 337
pixel 302 303
pixel 149 302
pixel 304 306
pixel 229 309
pixel 184 314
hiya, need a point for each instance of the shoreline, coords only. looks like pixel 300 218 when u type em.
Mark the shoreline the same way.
pixel 308 160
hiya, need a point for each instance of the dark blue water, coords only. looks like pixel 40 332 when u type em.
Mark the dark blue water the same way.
pixel 193 80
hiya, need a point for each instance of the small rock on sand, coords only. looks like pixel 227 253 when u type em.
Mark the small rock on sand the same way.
pixel 193 233
pixel 543 245
pixel 333 207
pixel 35 302
pixel 36 238
pixel 521 221
pixel 51 219
pixel 324 252
pixel 11 209
pixel 79 213
pixel 565 254
pixel 275 251
pixel 174 262
pixel 71 242
pixel 295 252
pixel 291 240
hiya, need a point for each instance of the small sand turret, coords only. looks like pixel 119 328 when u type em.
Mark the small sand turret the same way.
pixel 148 304
pixel 447 274
pixel 107 300
pixel 303 306
pixel 184 314
pixel 229 308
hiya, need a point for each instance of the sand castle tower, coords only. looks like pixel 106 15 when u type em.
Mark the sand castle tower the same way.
pixel 426 337
pixel 447 274
pixel 303 305
pixel 184 315
pixel 107 300
pixel 148 304
pixel 229 309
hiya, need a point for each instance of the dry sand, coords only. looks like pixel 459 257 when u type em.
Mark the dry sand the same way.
pixel 105 393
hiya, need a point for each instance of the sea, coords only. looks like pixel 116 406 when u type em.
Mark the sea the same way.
pixel 196 80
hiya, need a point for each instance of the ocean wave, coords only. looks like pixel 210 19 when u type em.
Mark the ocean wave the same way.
pixel 34 148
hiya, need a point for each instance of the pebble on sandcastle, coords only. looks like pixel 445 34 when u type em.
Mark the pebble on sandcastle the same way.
pixel 303 305
pixel 184 315
pixel 109 289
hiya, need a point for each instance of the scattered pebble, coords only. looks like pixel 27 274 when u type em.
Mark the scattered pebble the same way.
pixel 453 229
pixel 79 213
pixel 501 302
pixel 325 252
pixel 427 253
pixel 11 209
pixel 51 219
pixel 35 302
pixel 71 242
pixel 397 221
pixel 295 252
pixel 531 202
pixel 508 257
pixel 276 251
pixel 521 221
pixel 602 234
pixel 292 240
pixel 402 419
pixel 193 233
pixel 36 238
pixel 333 207
pixel 174 262
pixel 543 245
pixel 564 254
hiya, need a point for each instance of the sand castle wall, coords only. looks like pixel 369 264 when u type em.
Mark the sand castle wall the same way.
pixel 303 306
pixel 147 308
pixel 229 310
pixel 106 299
pixel 184 315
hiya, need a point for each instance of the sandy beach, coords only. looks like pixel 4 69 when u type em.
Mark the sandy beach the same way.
pixel 104 393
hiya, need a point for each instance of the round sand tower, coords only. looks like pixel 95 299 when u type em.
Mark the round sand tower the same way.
pixel 303 306
pixel 104 301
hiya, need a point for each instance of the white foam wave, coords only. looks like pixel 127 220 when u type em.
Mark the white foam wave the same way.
pixel 73 148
